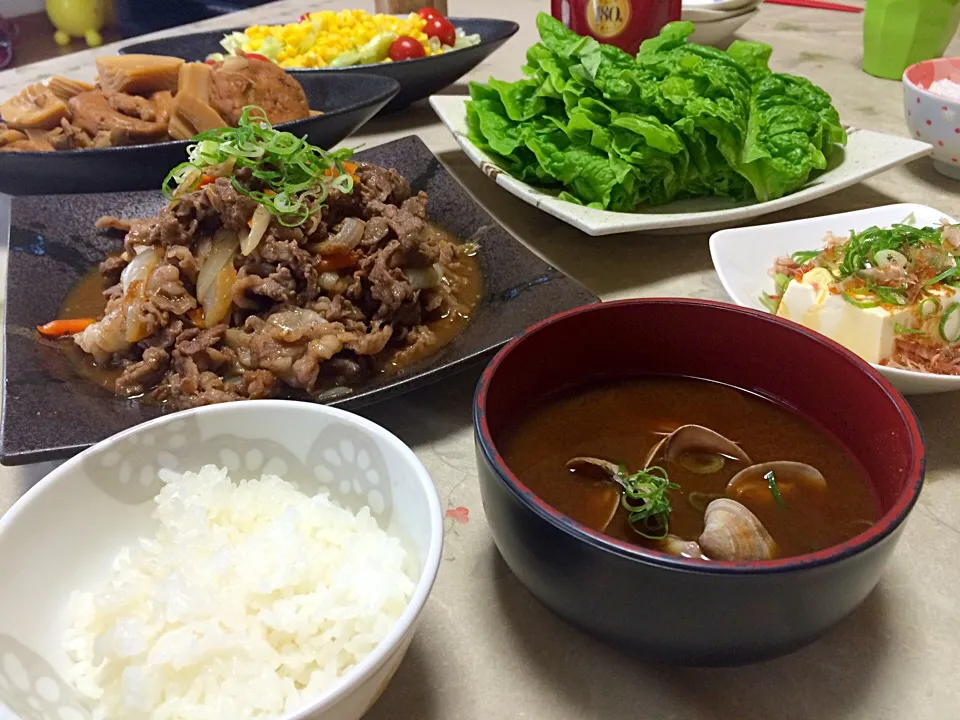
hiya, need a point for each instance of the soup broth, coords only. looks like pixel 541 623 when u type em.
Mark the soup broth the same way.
pixel 622 421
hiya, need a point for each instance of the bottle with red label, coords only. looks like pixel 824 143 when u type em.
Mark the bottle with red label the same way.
pixel 624 23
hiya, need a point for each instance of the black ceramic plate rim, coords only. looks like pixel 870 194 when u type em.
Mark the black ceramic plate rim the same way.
pixel 888 523
pixel 386 95
pixel 508 29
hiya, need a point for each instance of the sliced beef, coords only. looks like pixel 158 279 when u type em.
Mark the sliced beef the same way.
pixel 166 291
pixel 375 231
pixel 183 259
pixel 111 269
pixel 279 286
pixel 194 341
pixel 313 307
pixel 381 184
pixel 138 377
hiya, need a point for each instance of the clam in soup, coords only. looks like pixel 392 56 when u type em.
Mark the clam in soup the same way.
pixel 692 468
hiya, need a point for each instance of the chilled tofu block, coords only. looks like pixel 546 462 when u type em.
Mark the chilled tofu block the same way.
pixel 869 332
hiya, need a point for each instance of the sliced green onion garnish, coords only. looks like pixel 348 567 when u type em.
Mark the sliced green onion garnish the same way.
pixel 294 175
pixel 770 302
pixel 774 490
pixel 862 304
pixel 890 296
pixel 947 314
pixel 782 281
pixel 948 273
pixel 644 497
pixel 929 306
pixel 904 330
pixel 802 257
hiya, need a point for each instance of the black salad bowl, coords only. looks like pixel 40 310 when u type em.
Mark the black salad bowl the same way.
pixel 418 78
pixel 671 609
pixel 347 103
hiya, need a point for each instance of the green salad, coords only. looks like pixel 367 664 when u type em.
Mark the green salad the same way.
pixel 679 120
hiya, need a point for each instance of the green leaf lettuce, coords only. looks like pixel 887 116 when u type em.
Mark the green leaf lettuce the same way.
pixel 679 120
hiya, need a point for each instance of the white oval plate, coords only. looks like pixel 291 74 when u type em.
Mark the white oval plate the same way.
pixel 743 257
pixel 867 154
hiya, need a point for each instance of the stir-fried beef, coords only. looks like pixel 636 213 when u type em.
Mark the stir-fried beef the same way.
pixel 308 307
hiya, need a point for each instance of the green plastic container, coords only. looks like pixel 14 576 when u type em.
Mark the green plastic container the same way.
pixel 899 33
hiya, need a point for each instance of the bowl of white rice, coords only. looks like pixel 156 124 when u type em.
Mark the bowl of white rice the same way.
pixel 262 559
pixel 931 100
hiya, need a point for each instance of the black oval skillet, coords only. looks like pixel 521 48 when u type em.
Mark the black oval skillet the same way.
pixel 346 101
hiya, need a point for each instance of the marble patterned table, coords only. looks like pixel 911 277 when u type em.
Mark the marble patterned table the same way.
pixel 486 649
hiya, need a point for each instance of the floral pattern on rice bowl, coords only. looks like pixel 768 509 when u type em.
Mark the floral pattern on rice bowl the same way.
pixel 345 463
pixel 32 689
pixel 353 468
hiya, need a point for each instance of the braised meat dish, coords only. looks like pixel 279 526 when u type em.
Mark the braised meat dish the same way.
pixel 146 99
pixel 276 269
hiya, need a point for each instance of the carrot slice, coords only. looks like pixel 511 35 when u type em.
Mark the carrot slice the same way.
pixel 206 180
pixel 337 262
pixel 59 328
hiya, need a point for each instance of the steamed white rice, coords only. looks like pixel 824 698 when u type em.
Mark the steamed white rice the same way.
pixel 250 600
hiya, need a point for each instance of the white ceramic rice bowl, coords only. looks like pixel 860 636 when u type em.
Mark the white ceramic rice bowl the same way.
pixel 65 532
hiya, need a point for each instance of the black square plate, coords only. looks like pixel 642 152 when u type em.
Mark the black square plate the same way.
pixel 50 412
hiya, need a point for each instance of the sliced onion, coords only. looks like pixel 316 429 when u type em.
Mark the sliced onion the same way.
pixel 347 238
pixel 221 254
pixel 216 303
pixel 424 278
pixel 224 169
pixel 258 226
pixel 328 280
pixel 189 182
pixel 140 267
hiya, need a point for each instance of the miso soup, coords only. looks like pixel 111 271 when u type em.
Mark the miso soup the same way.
pixel 692 467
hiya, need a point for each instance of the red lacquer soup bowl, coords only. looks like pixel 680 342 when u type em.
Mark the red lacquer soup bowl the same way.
pixel 670 608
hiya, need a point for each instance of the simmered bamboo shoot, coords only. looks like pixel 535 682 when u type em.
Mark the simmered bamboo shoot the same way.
pixel 34 107
pixel 191 116
pixel 65 88
pixel 139 74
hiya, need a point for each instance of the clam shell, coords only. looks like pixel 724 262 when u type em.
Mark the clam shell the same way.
pixel 785 471
pixel 731 532
pixel 695 438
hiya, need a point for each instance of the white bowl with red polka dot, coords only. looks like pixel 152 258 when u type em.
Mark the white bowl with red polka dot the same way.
pixel 933 118
pixel 66 531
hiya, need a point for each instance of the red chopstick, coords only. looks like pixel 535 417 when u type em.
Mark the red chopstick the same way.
pixel 817 4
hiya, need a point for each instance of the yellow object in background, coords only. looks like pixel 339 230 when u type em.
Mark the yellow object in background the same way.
pixel 78 18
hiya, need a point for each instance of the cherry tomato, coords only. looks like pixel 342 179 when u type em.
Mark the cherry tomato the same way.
pixel 406 48
pixel 442 29
pixel 257 56
pixel 210 62
pixel 429 13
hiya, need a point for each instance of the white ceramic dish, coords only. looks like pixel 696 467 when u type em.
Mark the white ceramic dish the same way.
pixel 744 256
pixel 867 153
pixel 64 533
pixel 721 31
pixel 698 15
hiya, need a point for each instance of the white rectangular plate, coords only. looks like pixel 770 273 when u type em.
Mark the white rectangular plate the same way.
pixel 743 258
pixel 867 153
